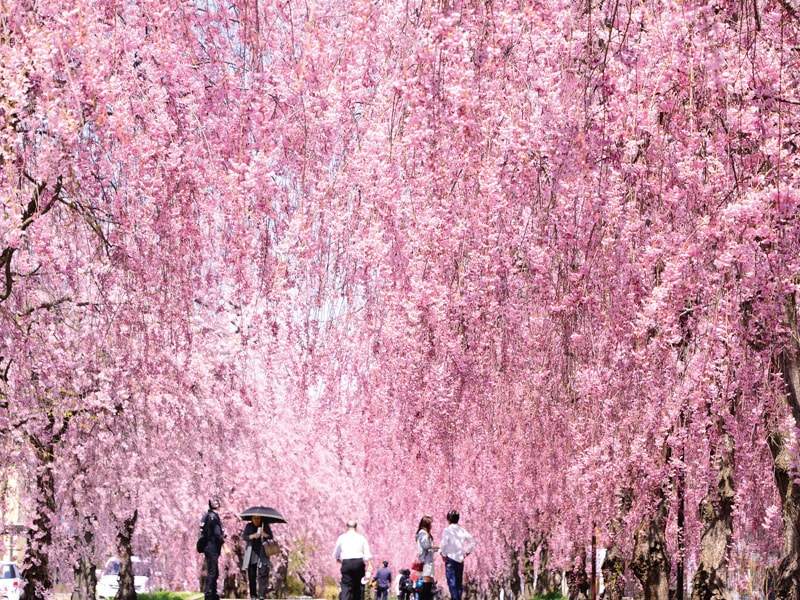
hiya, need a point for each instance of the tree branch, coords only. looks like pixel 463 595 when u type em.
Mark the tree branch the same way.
pixel 45 305
pixel 33 211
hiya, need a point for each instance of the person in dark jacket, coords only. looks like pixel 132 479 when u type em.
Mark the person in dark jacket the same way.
pixel 256 561
pixel 405 588
pixel 211 526
pixel 383 579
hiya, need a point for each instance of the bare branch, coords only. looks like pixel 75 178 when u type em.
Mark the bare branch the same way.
pixel 46 306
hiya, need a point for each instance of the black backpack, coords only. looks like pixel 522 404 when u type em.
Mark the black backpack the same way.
pixel 202 539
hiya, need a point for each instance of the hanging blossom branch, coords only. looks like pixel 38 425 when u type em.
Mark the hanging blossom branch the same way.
pixel 34 210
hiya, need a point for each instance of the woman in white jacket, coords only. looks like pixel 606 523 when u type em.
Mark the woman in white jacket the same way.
pixel 425 554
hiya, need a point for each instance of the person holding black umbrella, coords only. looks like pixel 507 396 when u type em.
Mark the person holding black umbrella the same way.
pixel 256 561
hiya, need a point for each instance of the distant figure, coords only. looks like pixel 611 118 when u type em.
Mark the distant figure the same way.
pixel 425 555
pixel 211 529
pixel 256 561
pixel 383 579
pixel 405 585
pixel 352 552
pixel 456 545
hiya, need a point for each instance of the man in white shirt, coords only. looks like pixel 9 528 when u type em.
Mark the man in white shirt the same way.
pixel 456 545
pixel 352 552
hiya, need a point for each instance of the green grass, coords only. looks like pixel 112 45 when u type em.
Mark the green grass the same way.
pixel 550 596
pixel 331 591
pixel 165 596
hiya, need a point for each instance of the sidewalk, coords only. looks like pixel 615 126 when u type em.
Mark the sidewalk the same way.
pixel 67 596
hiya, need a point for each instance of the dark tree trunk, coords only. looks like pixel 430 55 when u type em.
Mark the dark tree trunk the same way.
pixel 281 573
pixel 787 583
pixel 716 514
pixel 203 571
pixel 126 590
pixel 549 580
pixel 36 566
pixel 613 569
pixel 651 562
pixel 85 587
pixel 681 540
pixel 234 584
pixel 528 572
pixel 515 582
pixel 85 580
pixel 577 581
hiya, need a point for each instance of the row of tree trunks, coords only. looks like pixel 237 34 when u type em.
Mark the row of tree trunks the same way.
pixel 650 562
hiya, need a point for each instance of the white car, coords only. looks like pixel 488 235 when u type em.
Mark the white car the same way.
pixel 108 584
pixel 10 581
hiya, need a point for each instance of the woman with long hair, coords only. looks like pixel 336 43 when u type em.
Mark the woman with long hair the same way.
pixel 425 554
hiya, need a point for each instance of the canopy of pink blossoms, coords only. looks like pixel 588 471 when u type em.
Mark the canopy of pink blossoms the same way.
pixel 536 261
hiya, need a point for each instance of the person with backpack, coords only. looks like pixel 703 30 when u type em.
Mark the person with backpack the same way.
pixel 210 543
pixel 405 585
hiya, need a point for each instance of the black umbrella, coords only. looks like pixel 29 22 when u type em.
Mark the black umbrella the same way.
pixel 268 514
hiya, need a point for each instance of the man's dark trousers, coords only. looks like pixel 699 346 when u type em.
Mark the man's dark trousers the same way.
pixel 212 574
pixel 353 570
pixel 454 573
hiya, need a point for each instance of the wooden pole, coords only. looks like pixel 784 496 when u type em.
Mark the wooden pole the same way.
pixel 594 563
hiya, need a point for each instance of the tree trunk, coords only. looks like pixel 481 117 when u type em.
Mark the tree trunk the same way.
pixel 85 580
pixel 234 584
pixel 548 581
pixel 716 514
pixel 281 574
pixel 787 584
pixel 680 549
pixel 515 582
pixel 126 590
pixel 528 569
pixel 36 566
pixel 651 562
pixel 576 577
pixel 85 587
pixel 613 569
pixel 203 572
